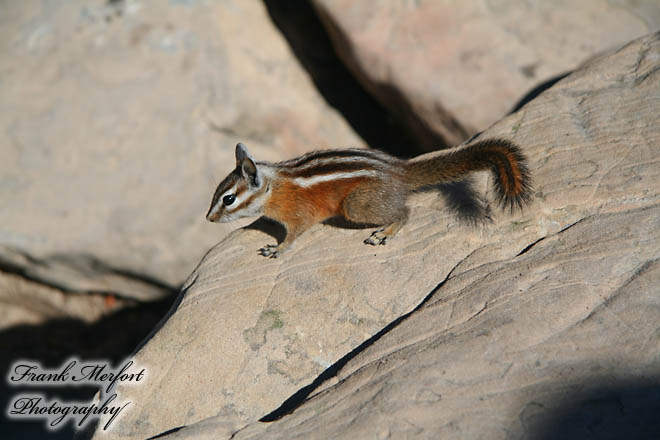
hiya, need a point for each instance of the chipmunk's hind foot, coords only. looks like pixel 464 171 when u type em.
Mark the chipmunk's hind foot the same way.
pixel 376 238
pixel 380 236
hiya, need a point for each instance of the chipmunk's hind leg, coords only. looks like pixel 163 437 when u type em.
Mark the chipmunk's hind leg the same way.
pixel 377 205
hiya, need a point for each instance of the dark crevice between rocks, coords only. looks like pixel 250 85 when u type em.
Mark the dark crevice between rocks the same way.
pixel 537 241
pixel 529 246
pixel 569 226
pixel 402 134
pixel 536 91
pixel 448 130
pixel 299 397
pixel 166 433
pixel 388 122
pixel 301 27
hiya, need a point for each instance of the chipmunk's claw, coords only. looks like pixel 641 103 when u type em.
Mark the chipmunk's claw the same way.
pixel 270 250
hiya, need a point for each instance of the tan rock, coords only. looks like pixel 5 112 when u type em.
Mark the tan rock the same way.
pixel 537 310
pixel 118 118
pixel 450 69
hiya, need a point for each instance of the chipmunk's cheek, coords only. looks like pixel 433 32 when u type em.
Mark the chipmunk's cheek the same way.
pixel 226 218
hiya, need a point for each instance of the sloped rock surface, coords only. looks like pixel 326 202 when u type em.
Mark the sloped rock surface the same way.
pixel 451 69
pixel 542 326
pixel 117 119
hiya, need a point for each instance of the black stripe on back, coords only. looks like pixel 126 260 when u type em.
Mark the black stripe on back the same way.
pixel 337 154
pixel 329 168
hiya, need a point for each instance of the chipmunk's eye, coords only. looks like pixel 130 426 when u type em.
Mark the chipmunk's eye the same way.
pixel 228 199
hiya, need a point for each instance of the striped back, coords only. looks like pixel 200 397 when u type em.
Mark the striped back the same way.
pixel 326 165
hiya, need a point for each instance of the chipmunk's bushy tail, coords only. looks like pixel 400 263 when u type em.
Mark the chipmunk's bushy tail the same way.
pixel 513 185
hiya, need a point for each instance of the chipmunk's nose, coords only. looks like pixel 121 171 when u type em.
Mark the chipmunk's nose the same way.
pixel 211 215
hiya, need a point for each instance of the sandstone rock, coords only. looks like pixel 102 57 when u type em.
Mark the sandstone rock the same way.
pixel 118 118
pixel 556 304
pixel 450 69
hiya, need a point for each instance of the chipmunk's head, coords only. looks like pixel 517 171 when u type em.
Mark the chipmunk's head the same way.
pixel 242 193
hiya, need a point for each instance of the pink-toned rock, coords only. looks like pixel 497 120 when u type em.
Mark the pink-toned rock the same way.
pixel 450 69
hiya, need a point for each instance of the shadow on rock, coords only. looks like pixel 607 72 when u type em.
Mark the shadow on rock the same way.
pixel 624 411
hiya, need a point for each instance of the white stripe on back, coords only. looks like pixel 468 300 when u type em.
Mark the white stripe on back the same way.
pixel 313 180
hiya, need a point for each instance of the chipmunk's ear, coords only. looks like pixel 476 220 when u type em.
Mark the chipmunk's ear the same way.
pixel 242 153
pixel 247 165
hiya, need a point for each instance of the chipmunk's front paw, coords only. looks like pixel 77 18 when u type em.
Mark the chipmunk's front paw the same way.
pixel 376 238
pixel 270 250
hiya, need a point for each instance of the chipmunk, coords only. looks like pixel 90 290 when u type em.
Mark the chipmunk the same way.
pixel 363 186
